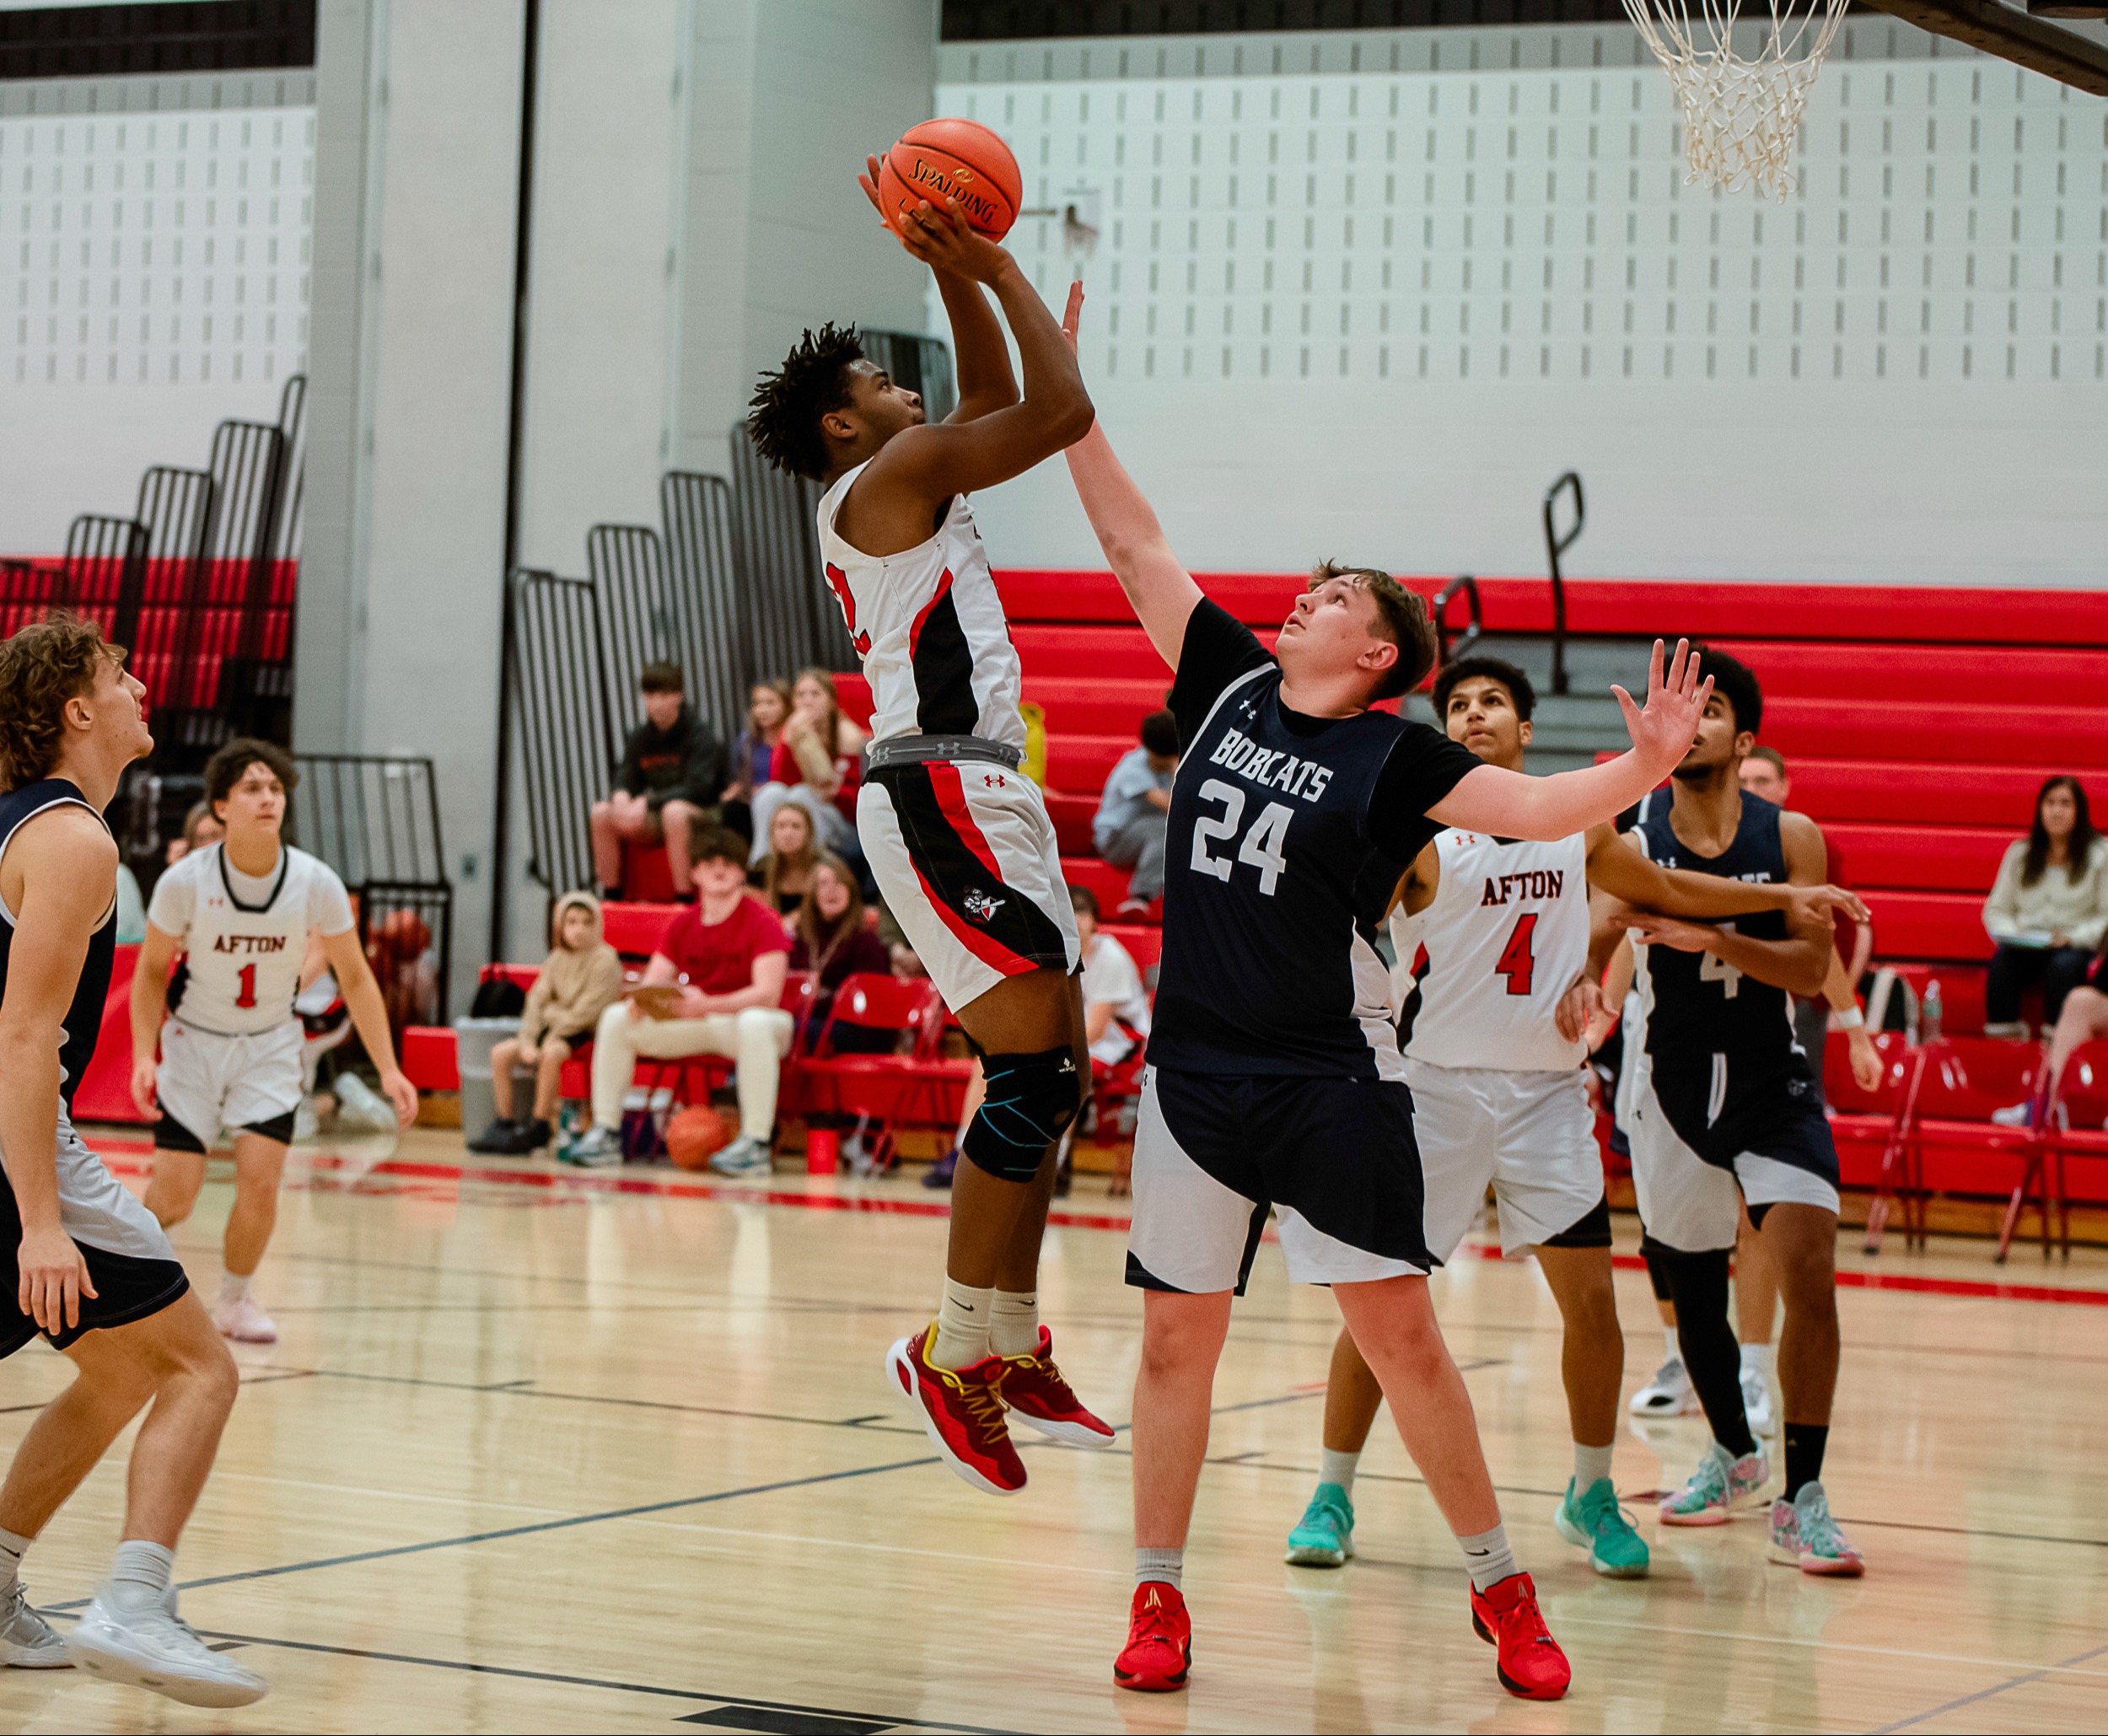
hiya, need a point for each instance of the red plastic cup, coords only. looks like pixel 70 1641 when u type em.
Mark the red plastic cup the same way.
pixel 823 1150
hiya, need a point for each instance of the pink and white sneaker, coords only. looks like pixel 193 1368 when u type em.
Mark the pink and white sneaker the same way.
pixel 239 1318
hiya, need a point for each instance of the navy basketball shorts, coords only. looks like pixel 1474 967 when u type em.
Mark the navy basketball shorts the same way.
pixel 1334 1159
pixel 1704 1141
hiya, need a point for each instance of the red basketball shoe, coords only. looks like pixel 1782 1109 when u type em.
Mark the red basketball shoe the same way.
pixel 1160 1649
pixel 1527 1658
pixel 962 1408
pixel 1033 1387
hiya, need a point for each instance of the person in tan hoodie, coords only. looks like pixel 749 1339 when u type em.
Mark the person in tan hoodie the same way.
pixel 579 981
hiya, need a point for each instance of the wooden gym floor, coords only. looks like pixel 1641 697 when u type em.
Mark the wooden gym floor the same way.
pixel 545 1452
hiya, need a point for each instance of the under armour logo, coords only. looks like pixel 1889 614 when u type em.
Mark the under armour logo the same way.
pixel 994 781
pixel 981 906
pixel 1250 709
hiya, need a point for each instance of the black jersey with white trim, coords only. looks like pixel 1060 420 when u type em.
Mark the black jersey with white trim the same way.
pixel 84 1015
pixel 1697 1006
pixel 1287 834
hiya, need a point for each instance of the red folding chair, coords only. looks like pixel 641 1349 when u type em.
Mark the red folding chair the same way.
pixel 2074 1122
pixel 889 1092
pixel 1956 1084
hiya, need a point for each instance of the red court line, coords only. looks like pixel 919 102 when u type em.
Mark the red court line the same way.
pixel 664 1187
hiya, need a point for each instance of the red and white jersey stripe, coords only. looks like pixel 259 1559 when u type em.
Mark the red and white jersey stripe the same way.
pixel 930 629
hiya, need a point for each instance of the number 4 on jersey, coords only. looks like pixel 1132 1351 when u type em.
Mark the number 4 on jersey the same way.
pixel 1516 962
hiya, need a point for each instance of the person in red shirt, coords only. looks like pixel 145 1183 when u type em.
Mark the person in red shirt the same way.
pixel 715 987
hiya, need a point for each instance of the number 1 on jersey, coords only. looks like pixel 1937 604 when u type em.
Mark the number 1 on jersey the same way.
pixel 1516 962
pixel 247 997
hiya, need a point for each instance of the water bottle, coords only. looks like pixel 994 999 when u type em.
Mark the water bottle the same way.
pixel 1929 1014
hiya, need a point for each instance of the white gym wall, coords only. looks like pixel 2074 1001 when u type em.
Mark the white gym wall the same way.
pixel 1367 294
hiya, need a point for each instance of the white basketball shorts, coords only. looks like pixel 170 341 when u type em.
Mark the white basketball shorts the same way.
pixel 1528 1134
pixel 966 858
pixel 207 1082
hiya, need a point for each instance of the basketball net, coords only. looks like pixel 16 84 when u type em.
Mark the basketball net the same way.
pixel 1739 115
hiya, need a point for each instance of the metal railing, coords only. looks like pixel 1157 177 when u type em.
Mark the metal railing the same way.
pixel 1445 653
pixel 717 639
pixel 794 623
pixel 565 733
pixel 1554 547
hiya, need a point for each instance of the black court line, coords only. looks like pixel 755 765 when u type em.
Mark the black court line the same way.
pixel 874 1720
pixel 538 1526
pixel 1982 1693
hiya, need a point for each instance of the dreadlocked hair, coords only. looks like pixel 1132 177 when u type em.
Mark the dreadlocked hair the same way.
pixel 783 415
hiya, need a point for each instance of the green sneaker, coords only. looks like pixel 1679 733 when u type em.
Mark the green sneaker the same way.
pixel 1325 1535
pixel 1593 1522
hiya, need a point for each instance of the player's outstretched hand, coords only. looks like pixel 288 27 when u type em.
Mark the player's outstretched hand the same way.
pixel 1822 902
pixel 402 1094
pixel 1662 732
pixel 1580 1003
pixel 1072 315
pixel 142 1077
pixel 940 236
pixel 1664 931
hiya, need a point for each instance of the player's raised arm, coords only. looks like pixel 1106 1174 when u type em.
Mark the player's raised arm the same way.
pixel 940 459
pixel 1508 804
pixel 1159 590
pixel 1623 872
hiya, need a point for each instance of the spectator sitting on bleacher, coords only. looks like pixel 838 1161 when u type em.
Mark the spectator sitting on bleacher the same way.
pixel 767 706
pixel 201 827
pixel 1116 1003
pixel 785 877
pixel 831 938
pixel 714 986
pixel 1135 812
pixel 670 784
pixel 817 764
pixel 580 980
pixel 2048 911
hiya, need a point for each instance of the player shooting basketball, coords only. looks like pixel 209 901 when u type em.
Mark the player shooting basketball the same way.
pixel 957 836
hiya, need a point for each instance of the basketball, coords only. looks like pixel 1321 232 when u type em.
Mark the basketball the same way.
pixel 696 1134
pixel 960 159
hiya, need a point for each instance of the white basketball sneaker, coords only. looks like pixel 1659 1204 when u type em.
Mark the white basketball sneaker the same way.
pixel 239 1318
pixel 153 1647
pixel 1669 1394
pixel 1756 1401
pixel 27 1640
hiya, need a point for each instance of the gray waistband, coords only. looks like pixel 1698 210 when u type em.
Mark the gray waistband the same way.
pixel 908 750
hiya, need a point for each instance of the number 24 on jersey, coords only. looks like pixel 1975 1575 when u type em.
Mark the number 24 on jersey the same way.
pixel 1264 846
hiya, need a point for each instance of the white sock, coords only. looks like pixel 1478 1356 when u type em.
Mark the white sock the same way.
pixel 141 1576
pixel 963 1321
pixel 233 1288
pixel 1488 1556
pixel 1591 1465
pixel 1338 1468
pixel 1674 1349
pixel 1757 1357
pixel 1165 1566
pixel 13 1547
pixel 1014 1323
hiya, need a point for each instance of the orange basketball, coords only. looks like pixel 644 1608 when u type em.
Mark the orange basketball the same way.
pixel 696 1134
pixel 960 159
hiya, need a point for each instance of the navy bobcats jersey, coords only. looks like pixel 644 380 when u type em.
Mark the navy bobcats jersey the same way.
pixel 1723 1059
pixel 1287 834
pixel 84 1018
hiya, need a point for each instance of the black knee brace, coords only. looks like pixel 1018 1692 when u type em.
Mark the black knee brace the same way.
pixel 1030 1102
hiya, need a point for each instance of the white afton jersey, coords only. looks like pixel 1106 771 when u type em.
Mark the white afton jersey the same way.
pixel 246 938
pixel 929 627
pixel 1506 935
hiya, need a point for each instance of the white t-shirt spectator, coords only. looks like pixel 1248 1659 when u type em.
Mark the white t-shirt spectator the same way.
pixel 1110 978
